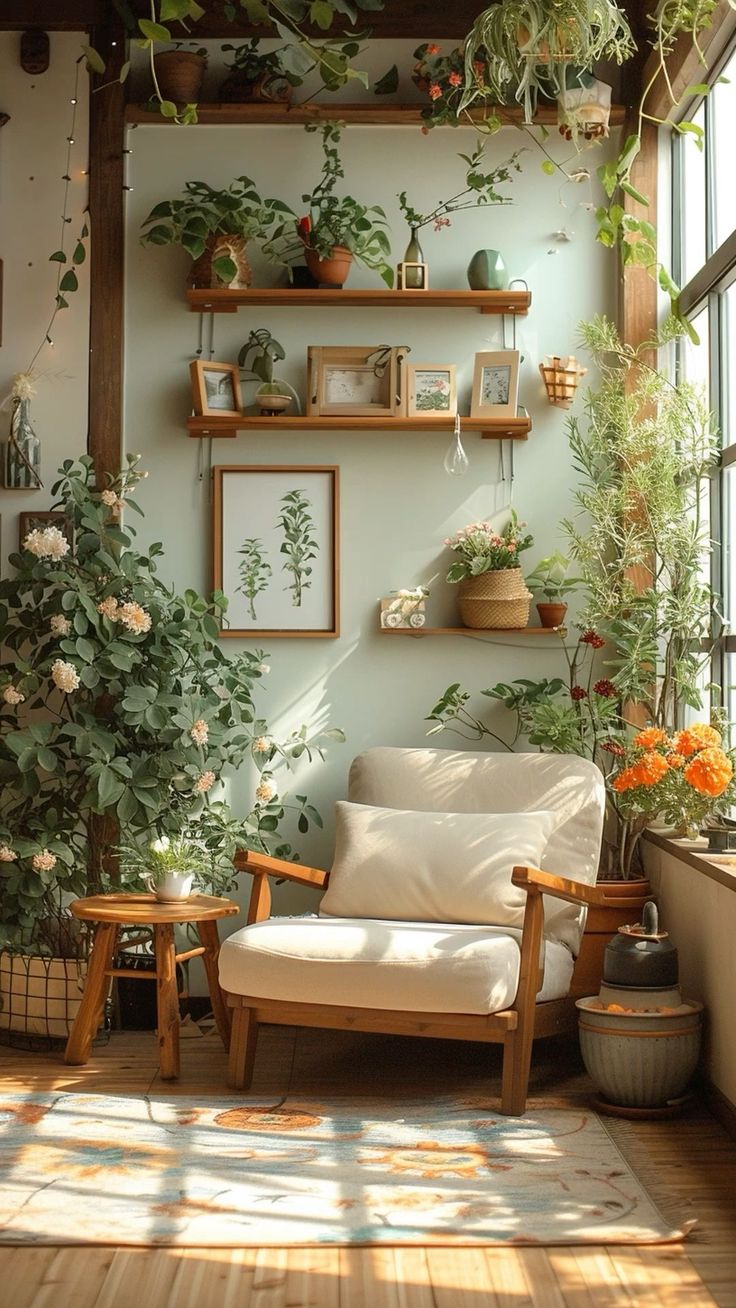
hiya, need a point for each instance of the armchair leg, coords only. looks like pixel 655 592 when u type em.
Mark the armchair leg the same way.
pixel 242 1049
pixel 517 1057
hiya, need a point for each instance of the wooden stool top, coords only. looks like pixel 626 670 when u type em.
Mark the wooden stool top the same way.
pixel 146 910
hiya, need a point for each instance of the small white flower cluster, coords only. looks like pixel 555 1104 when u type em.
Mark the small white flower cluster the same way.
pixel 7 855
pixel 200 732
pixel 265 792
pixel 64 675
pixel 204 783
pixel 112 501
pixel 132 615
pixel 44 862
pixel 47 543
pixel 12 695
pixel 23 387
pixel 60 626
pixel 262 744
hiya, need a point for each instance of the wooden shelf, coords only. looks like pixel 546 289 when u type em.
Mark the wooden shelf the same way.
pixel 365 115
pixel 470 631
pixel 516 429
pixel 227 301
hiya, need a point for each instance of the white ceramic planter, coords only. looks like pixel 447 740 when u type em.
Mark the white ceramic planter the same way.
pixel 173 888
pixel 40 996
pixel 640 1059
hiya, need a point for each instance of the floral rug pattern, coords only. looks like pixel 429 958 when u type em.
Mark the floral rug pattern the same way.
pixel 90 1169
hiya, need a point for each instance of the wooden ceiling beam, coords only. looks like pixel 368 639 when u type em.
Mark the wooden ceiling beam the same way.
pixel 685 66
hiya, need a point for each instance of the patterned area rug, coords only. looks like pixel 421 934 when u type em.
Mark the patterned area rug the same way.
pixel 93 1169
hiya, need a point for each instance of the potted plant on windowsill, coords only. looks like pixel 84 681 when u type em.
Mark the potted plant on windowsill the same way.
pixel 214 227
pixel 550 579
pixel 337 229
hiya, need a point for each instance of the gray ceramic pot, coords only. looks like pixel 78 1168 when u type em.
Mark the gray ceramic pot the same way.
pixel 640 1060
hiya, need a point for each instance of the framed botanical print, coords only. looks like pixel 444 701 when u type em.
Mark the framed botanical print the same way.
pixel 431 390
pixel 495 384
pixel 215 389
pixel 275 549
pixel 361 380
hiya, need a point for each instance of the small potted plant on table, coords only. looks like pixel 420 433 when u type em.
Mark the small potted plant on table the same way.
pixel 492 589
pixel 550 579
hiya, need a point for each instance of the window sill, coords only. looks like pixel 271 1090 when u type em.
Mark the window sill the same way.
pixel 718 867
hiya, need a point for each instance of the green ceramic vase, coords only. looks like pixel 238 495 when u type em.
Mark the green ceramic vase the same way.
pixel 487 271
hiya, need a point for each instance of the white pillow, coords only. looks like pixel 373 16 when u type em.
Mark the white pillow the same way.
pixel 432 867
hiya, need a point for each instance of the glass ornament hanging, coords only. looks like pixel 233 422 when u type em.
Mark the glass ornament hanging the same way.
pixel 456 462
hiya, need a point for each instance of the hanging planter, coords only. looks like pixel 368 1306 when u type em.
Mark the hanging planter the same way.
pixel 584 110
pixel 561 375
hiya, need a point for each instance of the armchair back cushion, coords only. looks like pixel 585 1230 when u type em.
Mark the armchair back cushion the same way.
pixel 458 781
pixel 409 866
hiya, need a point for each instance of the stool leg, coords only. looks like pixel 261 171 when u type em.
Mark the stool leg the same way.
pixel 167 1000
pixel 91 1009
pixel 211 944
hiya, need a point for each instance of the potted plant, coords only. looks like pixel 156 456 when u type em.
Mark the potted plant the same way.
pixel 550 579
pixel 166 867
pixel 178 74
pixel 336 229
pixel 214 227
pixel 258 356
pixel 257 75
pixel 118 712
pixel 492 590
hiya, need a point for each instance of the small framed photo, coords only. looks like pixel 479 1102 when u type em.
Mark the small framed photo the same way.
pixel 431 390
pixel 216 389
pixel 360 380
pixel 495 384
pixel 36 521
pixel 275 549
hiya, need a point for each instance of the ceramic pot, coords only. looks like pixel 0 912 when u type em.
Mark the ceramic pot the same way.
pixel 413 280
pixel 487 271
pixel 640 1059
pixel 329 272
pixel 180 74
pixel 271 399
pixel 172 888
pixel 269 88
pixel 551 615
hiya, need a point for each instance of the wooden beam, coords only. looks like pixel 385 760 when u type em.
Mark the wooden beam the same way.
pixel 53 16
pixel 685 67
pixel 106 214
pixel 638 289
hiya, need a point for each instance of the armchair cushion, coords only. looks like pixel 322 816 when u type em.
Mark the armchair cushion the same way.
pixel 418 967
pixel 432 867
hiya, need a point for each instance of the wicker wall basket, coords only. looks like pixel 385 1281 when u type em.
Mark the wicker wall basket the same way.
pixel 495 600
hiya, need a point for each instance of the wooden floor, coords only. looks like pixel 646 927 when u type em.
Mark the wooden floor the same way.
pixel 689 1167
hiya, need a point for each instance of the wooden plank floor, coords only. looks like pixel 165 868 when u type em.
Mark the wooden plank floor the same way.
pixel 689 1167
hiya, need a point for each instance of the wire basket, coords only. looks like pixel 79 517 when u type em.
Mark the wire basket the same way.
pixel 39 998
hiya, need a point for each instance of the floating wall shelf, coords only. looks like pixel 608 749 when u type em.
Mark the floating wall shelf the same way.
pixel 469 631
pixel 366 115
pixel 516 429
pixel 227 301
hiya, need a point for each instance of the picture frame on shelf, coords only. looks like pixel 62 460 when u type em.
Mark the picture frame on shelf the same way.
pixel 275 549
pixel 422 269
pixel 495 391
pixel 431 390
pixel 358 380
pixel 33 520
pixel 215 389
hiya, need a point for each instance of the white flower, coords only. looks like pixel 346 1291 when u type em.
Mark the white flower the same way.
pixel 160 845
pixel 48 543
pixel 265 792
pixel 60 626
pixel 64 675
pixel 112 501
pixel 12 696
pixel 108 607
pixel 23 387
pixel 44 862
pixel 7 855
pixel 134 617
pixel 204 782
pixel 200 732
pixel 262 744
pixel 265 668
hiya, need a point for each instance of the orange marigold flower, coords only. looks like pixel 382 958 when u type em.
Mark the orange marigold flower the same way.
pixel 709 772
pixel 625 780
pixel 651 768
pixel 698 736
pixel 650 737
pixel 674 760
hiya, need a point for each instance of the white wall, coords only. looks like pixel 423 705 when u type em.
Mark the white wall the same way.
pixel 397 502
pixel 33 149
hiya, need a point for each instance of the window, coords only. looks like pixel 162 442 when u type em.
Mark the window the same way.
pixel 704 255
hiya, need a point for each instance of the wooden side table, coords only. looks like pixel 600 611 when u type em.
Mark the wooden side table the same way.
pixel 110 912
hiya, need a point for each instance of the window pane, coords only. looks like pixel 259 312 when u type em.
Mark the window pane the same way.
pixel 728 367
pixel 722 167
pixel 692 207
pixel 695 359
pixel 728 518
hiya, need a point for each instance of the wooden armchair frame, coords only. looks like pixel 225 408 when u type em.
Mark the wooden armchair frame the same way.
pixel 515 1028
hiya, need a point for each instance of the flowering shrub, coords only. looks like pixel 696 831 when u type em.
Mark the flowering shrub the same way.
pixel 684 778
pixel 120 715
pixel 483 549
pixel 442 77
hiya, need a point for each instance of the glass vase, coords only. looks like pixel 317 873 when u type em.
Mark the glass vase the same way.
pixel 413 278
pixel 23 452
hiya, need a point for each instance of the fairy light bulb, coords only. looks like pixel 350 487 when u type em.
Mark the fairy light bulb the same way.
pixel 456 460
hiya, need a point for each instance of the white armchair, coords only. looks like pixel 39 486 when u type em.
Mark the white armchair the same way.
pixel 436 919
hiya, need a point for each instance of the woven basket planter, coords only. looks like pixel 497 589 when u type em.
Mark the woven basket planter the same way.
pixel 495 600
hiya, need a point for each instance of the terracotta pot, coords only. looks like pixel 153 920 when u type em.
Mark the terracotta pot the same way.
pixel 602 925
pixel 202 273
pixel 551 615
pixel 269 88
pixel 180 74
pixel 330 272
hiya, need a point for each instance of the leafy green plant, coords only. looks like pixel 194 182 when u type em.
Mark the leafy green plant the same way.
pixel 549 578
pixel 334 220
pixel 300 544
pixel 205 211
pixel 254 570
pixel 483 549
pixel 260 353
pixel 480 189
pixel 117 703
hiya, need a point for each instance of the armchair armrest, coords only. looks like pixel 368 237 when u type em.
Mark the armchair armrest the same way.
pixel 247 860
pixel 535 881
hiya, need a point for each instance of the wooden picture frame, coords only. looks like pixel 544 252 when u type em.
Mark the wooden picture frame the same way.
pixel 431 390
pixel 495 384
pixel 215 389
pixel 358 380
pixel 257 509
pixel 32 519
pixel 403 268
